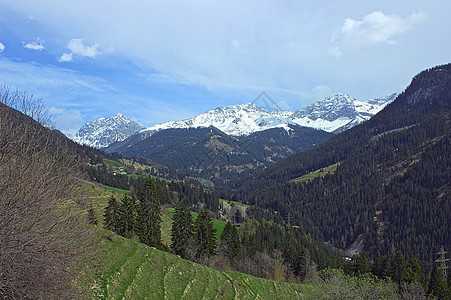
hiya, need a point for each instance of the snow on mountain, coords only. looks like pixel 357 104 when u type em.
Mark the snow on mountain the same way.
pixel 339 112
pixel 104 131
pixel 241 119
pixel 333 114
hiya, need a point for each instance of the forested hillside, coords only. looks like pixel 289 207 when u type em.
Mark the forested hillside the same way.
pixel 211 154
pixel 392 183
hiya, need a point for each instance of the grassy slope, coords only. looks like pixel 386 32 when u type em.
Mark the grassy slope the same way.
pixel 132 270
pixel 234 202
pixel 318 173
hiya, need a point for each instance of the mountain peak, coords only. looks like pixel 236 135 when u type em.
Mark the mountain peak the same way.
pixel 104 131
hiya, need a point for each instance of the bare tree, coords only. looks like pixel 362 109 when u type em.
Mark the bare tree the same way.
pixel 42 233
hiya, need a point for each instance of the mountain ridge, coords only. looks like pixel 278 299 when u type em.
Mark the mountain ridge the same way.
pixel 333 114
pixel 392 179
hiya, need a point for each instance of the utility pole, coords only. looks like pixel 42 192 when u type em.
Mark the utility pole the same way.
pixel 442 262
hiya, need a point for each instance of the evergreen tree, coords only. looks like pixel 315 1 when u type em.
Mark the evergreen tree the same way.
pixel 205 234
pixel 414 273
pixel 148 222
pixel 127 216
pixel 92 219
pixel 111 215
pixel 397 267
pixel 182 231
pixel 377 269
pixel 363 264
pixel 437 285
pixel 230 240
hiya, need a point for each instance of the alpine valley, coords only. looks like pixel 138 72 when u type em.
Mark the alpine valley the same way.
pixel 231 143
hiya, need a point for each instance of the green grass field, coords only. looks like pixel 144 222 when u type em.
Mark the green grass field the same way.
pixel 318 173
pixel 130 270
pixel 234 202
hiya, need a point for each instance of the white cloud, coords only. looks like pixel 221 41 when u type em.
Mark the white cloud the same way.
pixel 77 47
pixel 67 121
pixel 335 51
pixel 2 47
pixel 318 93
pixel 35 45
pixel 375 28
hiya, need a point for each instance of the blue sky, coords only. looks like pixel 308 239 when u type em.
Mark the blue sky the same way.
pixel 157 61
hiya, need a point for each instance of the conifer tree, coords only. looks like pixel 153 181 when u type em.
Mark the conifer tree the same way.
pixel 182 231
pixel 414 273
pixel 377 269
pixel 92 219
pixel 437 285
pixel 230 240
pixel 205 234
pixel 363 264
pixel 111 214
pixel 397 267
pixel 127 216
pixel 148 225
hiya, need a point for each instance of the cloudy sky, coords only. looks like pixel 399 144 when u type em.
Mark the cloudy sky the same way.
pixel 157 61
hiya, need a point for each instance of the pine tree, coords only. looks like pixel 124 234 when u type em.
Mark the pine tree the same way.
pixel 205 234
pixel 148 222
pixel 92 219
pixel 127 216
pixel 230 240
pixel 414 273
pixel 397 267
pixel 363 264
pixel 437 285
pixel 377 269
pixel 111 215
pixel 182 231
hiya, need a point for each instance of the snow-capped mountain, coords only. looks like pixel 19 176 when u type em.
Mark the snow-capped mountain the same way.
pixel 339 112
pixel 241 119
pixel 104 131
pixel 333 114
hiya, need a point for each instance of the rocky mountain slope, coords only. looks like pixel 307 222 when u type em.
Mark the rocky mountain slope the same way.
pixel 104 131
pixel 334 114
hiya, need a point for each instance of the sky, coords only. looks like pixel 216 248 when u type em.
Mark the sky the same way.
pixel 157 61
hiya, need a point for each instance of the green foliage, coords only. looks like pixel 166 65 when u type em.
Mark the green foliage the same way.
pixel 437 285
pixel 363 264
pixel 182 231
pixel 337 285
pixel 127 216
pixel 230 241
pixel 318 173
pixel 92 218
pixel 148 221
pixel 111 215
pixel 414 273
pixel 397 267
pixel 205 235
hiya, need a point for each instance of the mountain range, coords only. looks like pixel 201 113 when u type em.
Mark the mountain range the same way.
pixel 333 114
pixel 385 183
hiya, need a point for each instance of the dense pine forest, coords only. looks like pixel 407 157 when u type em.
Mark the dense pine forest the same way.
pixel 392 181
